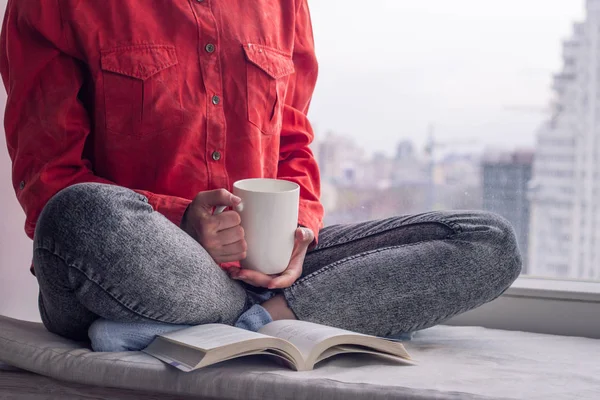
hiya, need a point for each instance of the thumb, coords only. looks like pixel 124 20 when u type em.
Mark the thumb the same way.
pixel 219 197
pixel 305 235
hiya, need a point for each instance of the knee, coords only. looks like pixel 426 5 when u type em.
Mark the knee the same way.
pixel 505 255
pixel 82 205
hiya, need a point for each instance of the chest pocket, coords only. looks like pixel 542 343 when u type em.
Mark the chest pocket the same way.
pixel 267 75
pixel 142 93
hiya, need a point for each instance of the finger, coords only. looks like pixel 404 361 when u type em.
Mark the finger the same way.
pixel 230 235
pixel 253 278
pixel 226 220
pixel 289 276
pixel 305 235
pixel 237 248
pixel 229 265
pixel 219 197
pixel 221 259
pixel 304 238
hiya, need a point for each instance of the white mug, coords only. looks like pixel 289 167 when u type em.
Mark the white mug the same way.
pixel 269 212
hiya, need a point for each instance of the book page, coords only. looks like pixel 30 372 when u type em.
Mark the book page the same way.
pixel 341 349
pixel 318 342
pixel 304 335
pixel 211 336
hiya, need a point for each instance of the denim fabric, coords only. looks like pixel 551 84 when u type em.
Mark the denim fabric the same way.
pixel 101 251
pixel 406 273
pixel 114 336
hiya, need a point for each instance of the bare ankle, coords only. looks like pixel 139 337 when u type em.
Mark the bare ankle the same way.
pixel 278 308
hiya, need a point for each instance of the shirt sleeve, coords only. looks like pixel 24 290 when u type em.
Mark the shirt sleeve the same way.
pixel 296 161
pixel 46 124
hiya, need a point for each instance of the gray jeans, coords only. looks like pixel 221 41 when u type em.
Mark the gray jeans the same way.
pixel 101 251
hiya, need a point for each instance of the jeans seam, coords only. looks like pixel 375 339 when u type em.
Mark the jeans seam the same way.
pixel 454 226
pixel 112 296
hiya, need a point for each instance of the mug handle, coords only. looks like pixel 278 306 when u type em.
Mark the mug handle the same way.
pixel 220 209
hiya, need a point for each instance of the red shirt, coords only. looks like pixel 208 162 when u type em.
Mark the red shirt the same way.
pixel 168 98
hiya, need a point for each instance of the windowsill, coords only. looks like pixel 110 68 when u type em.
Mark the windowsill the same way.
pixel 550 306
pixel 542 288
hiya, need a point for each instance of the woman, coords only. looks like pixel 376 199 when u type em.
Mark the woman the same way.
pixel 128 122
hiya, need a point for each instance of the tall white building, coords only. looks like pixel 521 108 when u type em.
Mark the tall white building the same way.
pixel 565 189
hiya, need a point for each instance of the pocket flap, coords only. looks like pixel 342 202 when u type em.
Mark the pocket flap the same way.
pixel 140 61
pixel 274 62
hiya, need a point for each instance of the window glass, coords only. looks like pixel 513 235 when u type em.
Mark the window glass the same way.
pixel 439 105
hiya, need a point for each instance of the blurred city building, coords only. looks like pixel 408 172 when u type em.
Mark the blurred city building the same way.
pixel 565 191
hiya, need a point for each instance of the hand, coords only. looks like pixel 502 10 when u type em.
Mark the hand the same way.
pixel 221 235
pixel 303 238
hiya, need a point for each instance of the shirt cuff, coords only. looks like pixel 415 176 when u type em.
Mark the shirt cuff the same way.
pixel 307 219
pixel 170 206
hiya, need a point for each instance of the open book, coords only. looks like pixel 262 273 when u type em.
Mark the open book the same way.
pixel 300 344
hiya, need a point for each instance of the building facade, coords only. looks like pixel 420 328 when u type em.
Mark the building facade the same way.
pixel 565 190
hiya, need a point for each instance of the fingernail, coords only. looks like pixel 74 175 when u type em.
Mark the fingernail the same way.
pixel 239 207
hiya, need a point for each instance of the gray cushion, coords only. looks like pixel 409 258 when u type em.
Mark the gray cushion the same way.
pixel 454 362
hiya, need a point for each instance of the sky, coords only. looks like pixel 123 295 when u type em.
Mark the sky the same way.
pixel 391 68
